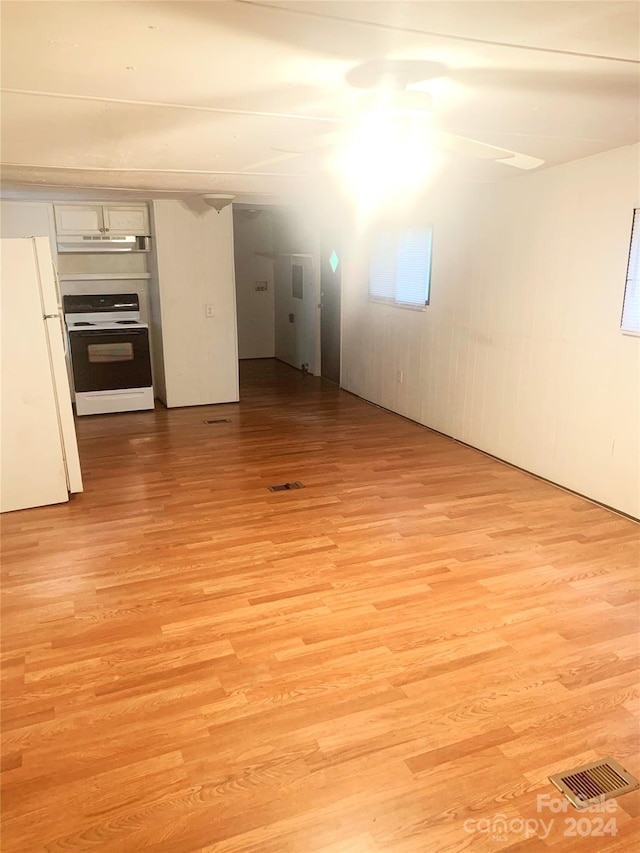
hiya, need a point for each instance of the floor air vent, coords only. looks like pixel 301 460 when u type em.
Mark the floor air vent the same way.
pixel 285 487
pixel 592 783
pixel 218 421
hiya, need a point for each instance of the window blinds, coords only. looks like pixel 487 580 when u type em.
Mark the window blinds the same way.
pixel 631 307
pixel 400 268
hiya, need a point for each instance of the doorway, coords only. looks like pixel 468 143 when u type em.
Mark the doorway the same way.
pixel 330 296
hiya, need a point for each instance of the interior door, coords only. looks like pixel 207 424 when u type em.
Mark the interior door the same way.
pixel 330 296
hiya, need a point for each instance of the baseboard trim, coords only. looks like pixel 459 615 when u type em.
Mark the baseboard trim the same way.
pixel 594 501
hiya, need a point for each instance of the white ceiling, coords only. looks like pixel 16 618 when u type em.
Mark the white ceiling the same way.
pixel 182 97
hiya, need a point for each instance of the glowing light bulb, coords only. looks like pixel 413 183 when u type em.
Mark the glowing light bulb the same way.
pixel 388 158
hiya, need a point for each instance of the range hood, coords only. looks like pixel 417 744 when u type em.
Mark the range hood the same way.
pixel 101 244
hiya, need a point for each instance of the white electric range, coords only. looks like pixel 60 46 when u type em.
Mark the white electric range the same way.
pixel 110 359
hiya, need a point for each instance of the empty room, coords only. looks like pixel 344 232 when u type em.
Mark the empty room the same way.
pixel 320 426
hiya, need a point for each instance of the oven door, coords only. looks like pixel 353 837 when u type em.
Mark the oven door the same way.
pixel 107 360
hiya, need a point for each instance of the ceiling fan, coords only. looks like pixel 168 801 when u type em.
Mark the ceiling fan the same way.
pixel 397 91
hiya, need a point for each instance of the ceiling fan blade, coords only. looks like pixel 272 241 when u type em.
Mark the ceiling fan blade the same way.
pixel 416 74
pixel 300 147
pixel 482 151
pixel 269 161
pixel 393 73
pixel 618 80
pixel 521 161
pixel 461 145
pixel 314 143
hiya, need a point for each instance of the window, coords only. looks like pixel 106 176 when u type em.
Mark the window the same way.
pixel 631 307
pixel 400 268
pixel 296 281
pixel 119 351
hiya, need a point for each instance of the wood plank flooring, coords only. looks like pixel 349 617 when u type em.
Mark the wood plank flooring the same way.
pixel 389 659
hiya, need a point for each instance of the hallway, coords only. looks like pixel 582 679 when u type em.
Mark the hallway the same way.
pixel 414 640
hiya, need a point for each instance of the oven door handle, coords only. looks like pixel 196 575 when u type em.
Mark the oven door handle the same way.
pixel 107 333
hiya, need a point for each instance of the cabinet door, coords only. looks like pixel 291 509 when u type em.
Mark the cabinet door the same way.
pixel 126 219
pixel 78 218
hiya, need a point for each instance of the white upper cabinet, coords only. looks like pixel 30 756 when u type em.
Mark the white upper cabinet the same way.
pixel 78 218
pixel 126 219
pixel 102 219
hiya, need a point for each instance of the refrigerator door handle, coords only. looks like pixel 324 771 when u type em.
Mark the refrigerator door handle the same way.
pixel 63 332
pixel 62 329
pixel 56 278
pixel 57 281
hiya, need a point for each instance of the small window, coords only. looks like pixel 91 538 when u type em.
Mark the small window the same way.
pixel 400 268
pixel 296 281
pixel 119 351
pixel 631 306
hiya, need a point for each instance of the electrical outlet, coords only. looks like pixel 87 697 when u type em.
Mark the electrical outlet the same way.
pixel 400 377
pixel 209 311
pixel 261 285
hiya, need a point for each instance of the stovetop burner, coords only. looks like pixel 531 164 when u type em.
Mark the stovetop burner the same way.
pixel 127 322
pixel 84 324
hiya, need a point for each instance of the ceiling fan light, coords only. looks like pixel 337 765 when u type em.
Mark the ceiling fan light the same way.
pixel 394 101
pixel 217 200
pixel 386 161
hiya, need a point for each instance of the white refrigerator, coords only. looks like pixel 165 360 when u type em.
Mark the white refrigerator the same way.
pixel 38 447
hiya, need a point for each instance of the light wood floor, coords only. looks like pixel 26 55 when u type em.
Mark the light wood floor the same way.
pixel 407 646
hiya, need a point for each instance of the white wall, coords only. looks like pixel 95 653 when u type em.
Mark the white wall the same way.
pixel 520 352
pixel 253 233
pixel 297 241
pixel 28 219
pixel 195 268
